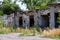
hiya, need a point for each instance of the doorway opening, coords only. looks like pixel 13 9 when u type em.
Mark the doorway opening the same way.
pixel 20 22
pixel 56 20
pixel 45 21
pixel 31 20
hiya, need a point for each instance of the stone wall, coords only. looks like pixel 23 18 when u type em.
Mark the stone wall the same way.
pixel 38 19
pixel 8 20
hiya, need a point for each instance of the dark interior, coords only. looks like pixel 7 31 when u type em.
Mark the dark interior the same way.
pixel 20 21
pixel 56 23
pixel 45 20
pixel 31 20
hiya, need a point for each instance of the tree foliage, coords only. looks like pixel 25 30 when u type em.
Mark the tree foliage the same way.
pixel 37 4
pixel 1 12
pixel 58 18
pixel 8 6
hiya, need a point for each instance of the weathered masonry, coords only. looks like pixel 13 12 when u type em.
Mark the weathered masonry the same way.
pixel 40 18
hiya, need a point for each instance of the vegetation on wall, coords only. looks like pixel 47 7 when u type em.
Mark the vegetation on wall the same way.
pixel 58 18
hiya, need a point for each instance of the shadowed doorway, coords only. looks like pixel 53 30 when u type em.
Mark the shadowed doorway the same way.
pixel 31 18
pixel 56 23
pixel 20 22
pixel 45 20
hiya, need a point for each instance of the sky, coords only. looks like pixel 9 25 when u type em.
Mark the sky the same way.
pixel 23 7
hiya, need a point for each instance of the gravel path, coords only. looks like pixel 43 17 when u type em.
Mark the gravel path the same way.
pixel 15 36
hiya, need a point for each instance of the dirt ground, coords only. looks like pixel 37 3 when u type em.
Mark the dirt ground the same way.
pixel 15 36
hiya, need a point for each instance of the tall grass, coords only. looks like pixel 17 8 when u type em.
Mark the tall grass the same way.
pixel 24 32
pixel 54 33
pixel 1 22
pixel 30 32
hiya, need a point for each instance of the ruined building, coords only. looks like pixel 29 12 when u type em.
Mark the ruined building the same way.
pixel 40 18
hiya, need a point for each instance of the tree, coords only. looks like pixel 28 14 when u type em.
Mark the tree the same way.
pixel 1 12
pixel 37 4
pixel 8 7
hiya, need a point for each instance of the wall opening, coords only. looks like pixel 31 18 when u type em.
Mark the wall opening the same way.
pixel 20 22
pixel 56 20
pixel 45 20
pixel 31 20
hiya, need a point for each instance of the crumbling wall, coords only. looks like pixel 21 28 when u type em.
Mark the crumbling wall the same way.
pixel 25 20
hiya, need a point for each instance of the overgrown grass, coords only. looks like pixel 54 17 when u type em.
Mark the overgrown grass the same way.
pixel 24 32
pixel 1 22
pixel 52 33
pixel 4 30
pixel 30 32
